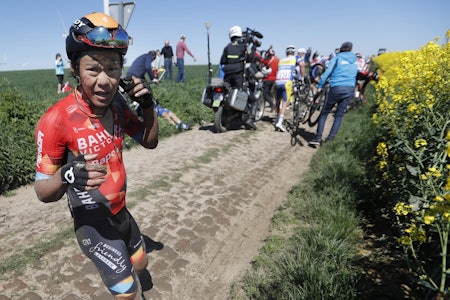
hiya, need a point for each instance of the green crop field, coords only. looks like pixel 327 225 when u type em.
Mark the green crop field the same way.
pixel 25 95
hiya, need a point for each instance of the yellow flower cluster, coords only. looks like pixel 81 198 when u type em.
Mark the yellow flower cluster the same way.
pixel 402 209
pixel 420 143
pixel 413 107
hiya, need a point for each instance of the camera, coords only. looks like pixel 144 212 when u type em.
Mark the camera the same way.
pixel 251 36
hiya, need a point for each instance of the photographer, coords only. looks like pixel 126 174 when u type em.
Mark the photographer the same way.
pixel 234 58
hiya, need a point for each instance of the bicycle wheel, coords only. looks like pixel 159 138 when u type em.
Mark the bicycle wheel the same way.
pixel 316 108
pixel 308 103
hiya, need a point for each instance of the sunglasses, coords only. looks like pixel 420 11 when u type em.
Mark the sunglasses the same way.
pixel 104 38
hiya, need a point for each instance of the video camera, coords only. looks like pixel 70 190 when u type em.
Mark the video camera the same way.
pixel 250 37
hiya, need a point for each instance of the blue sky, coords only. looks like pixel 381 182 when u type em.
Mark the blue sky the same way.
pixel 32 31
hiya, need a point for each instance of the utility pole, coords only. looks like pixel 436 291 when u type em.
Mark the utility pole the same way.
pixel 210 71
pixel 106 6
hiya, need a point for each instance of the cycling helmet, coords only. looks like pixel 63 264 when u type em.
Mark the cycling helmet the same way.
pixel 301 50
pixel 96 31
pixel 235 31
pixel 290 50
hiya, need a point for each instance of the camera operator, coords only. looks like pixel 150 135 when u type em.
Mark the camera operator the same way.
pixel 234 59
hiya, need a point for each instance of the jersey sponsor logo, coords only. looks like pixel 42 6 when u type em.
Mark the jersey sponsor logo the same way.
pixel 93 143
pixel 86 199
pixel 112 257
pixel 39 141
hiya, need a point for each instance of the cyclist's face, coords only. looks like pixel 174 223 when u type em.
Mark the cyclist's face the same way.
pixel 99 73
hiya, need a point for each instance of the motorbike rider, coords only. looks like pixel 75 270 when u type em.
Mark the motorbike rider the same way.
pixel 233 60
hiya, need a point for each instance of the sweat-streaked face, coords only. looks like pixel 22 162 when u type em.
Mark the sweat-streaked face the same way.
pixel 100 72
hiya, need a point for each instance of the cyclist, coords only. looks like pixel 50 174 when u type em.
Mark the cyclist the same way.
pixel 301 64
pixel 341 70
pixel 79 153
pixel 285 76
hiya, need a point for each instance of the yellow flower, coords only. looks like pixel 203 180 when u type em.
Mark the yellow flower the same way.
pixel 420 143
pixel 446 216
pixel 428 219
pixel 438 199
pixel 423 176
pixel 404 240
pixel 382 149
pixel 434 172
pixel 447 187
pixel 402 209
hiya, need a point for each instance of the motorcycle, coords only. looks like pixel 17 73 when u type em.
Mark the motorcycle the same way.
pixel 229 104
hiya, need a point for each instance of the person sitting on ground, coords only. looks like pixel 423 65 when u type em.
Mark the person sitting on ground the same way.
pixel 172 118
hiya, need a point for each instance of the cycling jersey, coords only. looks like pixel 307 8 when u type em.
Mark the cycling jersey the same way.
pixel 285 76
pixel 286 68
pixel 65 131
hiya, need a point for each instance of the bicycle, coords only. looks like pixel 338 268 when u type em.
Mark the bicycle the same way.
pixel 302 94
pixel 317 106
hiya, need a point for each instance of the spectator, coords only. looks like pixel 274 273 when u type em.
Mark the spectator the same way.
pixel 59 71
pixel 169 59
pixel 341 70
pixel 270 61
pixel 180 50
pixel 172 118
pixel 79 153
pixel 285 76
pixel 142 65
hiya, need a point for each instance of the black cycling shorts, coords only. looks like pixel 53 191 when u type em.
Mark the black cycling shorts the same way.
pixel 109 243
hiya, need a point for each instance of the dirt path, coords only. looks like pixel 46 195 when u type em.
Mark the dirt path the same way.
pixel 207 198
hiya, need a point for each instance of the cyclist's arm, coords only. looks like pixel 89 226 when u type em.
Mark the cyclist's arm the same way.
pixel 49 188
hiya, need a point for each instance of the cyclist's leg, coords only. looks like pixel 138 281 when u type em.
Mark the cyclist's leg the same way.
pixel 103 244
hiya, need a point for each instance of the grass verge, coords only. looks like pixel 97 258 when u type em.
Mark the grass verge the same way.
pixel 313 249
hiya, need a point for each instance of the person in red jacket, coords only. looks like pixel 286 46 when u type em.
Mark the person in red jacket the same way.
pixel 270 61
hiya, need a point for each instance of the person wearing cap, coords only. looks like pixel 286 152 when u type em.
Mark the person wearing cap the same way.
pixel 341 72
pixel 79 143
pixel 181 48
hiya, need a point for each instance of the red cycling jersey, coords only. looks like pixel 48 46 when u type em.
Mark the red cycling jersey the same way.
pixel 65 131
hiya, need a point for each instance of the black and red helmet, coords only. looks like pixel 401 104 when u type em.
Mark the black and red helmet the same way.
pixel 96 31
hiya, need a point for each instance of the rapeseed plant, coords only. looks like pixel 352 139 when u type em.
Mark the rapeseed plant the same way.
pixel 413 156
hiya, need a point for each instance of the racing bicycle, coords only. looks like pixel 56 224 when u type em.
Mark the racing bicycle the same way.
pixel 317 105
pixel 302 95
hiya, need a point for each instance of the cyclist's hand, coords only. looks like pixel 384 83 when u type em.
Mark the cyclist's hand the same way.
pixel 319 91
pixel 139 90
pixel 82 174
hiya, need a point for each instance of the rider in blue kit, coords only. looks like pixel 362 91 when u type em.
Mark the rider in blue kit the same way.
pixel 341 70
